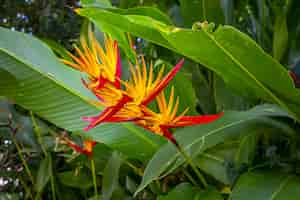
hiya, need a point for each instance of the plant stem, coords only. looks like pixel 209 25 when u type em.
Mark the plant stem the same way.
pixel 187 174
pixel 26 188
pixel 94 176
pixel 22 158
pixel 191 163
pixel 135 169
pixel 52 179
pixel 37 131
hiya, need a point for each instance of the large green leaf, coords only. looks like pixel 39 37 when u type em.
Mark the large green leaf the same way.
pixel 82 180
pixel 217 162
pixel 266 185
pixel 55 93
pixel 96 3
pixel 188 192
pixel 110 179
pixel 194 11
pixel 43 175
pixel 281 34
pixel 234 56
pixel 194 140
pixel 145 11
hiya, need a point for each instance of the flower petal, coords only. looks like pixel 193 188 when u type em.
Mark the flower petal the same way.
pixel 295 78
pixel 106 114
pixel 79 149
pixel 163 83
pixel 194 120
pixel 118 68
pixel 167 134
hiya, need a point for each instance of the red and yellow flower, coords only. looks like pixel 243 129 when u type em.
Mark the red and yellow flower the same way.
pixel 103 67
pixel 139 91
pixel 86 148
pixel 128 100
pixel 161 122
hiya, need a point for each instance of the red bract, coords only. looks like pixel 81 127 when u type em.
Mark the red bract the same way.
pixel 138 92
pixel 86 149
pixel 161 122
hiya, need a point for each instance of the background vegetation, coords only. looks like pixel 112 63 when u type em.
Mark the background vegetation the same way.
pixel 241 68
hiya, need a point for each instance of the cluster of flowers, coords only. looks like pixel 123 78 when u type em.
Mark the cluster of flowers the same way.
pixel 125 101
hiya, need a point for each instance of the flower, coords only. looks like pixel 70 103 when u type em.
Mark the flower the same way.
pixel 139 91
pixel 161 122
pixel 86 149
pixel 102 67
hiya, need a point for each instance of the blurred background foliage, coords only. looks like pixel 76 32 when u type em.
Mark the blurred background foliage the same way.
pixel 28 141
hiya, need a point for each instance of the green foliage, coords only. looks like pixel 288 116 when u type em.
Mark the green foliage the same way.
pixel 236 62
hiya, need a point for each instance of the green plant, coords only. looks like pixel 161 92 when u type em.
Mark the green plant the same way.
pixel 240 68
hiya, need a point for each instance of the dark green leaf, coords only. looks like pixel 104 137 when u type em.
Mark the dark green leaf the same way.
pixel 8 83
pixel 81 180
pixel 226 99
pixel 202 10
pixel 280 38
pixel 43 175
pixel 204 92
pixel 145 11
pixel 194 140
pixel 110 180
pixel 57 48
pixel 266 185
pixel 96 3
pixel 247 148
pixel 216 162
pixel 188 192
pixel 182 191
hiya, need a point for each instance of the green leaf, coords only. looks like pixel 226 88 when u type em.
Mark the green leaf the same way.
pixel 96 3
pixel 43 175
pixel 188 192
pixel 266 185
pixel 203 91
pixel 195 140
pixel 226 99
pixel 247 148
pixel 54 92
pixel 249 70
pixel 57 48
pixel 202 10
pixel 281 35
pixel 82 180
pixel 216 162
pixel 209 194
pixel 110 180
pixel 9 196
pixel 8 83
pixel 181 191
pixel 152 12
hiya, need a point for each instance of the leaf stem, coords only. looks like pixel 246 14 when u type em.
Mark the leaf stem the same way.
pixel 38 133
pixel 135 169
pixel 189 176
pixel 94 176
pixel 191 163
pixel 52 179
